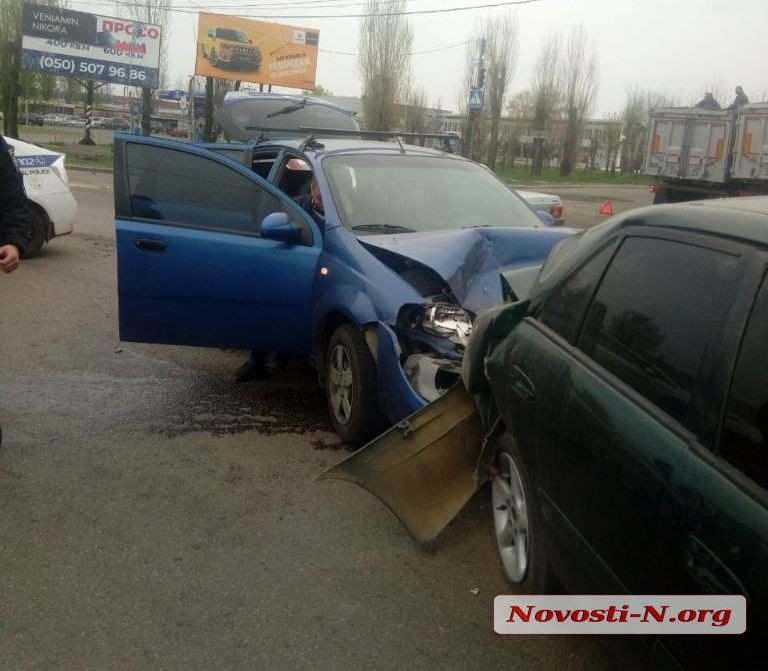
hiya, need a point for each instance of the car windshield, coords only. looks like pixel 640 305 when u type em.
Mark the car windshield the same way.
pixel 233 35
pixel 396 193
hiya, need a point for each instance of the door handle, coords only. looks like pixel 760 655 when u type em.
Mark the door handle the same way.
pixel 151 245
pixel 521 384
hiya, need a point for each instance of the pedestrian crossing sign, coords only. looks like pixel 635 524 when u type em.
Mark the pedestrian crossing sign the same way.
pixel 475 98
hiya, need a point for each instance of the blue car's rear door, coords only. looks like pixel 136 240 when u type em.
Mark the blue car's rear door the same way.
pixel 192 267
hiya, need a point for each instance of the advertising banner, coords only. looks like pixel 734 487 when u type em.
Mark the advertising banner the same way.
pixel 58 41
pixel 230 47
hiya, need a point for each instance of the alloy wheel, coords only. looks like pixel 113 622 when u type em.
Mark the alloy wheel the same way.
pixel 510 518
pixel 341 388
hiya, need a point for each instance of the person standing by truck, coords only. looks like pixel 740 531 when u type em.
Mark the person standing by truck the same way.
pixel 740 100
pixel 708 102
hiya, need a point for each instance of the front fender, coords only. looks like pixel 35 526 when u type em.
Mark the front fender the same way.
pixel 397 398
pixel 342 299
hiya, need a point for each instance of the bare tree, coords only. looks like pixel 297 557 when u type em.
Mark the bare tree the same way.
pixel 579 76
pixel 154 12
pixel 490 65
pixel 471 137
pixel 521 106
pixel 12 83
pixel 546 95
pixel 220 89
pixel 636 118
pixel 502 47
pixel 519 119
pixel 385 45
pixel 612 140
pixel 318 90
pixel 416 112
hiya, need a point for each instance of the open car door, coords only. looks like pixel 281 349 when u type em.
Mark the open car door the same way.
pixel 209 253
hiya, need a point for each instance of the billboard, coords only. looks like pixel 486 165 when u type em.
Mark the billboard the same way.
pixel 68 43
pixel 230 47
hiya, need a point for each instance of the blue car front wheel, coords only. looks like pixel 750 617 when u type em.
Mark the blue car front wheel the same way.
pixel 351 386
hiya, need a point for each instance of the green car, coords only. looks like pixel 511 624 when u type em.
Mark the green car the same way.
pixel 627 405
pixel 621 414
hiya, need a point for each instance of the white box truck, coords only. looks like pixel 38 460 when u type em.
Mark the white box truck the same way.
pixel 696 154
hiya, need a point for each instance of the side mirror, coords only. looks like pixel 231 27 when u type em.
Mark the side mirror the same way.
pixel 277 226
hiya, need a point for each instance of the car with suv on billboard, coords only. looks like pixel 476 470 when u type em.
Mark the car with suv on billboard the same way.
pixel 228 47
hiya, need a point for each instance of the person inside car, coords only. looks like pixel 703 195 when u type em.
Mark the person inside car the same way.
pixel 15 215
pixel 312 203
pixel 258 364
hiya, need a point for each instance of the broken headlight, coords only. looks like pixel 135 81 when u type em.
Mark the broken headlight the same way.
pixel 447 321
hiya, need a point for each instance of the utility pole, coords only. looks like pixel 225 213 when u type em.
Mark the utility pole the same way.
pixel 474 113
pixel 208 126
pixel 87 139
pixel 191 134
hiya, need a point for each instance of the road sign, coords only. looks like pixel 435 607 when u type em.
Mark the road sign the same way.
pixel 475 98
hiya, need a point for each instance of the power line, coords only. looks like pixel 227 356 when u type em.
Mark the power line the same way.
pixel 443 10
pixel 211 6
pixel 412 53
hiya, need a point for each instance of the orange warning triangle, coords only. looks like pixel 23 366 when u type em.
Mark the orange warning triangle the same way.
pixel 607 208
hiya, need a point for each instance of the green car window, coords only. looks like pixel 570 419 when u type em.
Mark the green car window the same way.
pixel 564 310
pixel 652 317
pixel 745 429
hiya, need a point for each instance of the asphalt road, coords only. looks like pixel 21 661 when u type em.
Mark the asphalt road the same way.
pixel 582 203
pixel 155 515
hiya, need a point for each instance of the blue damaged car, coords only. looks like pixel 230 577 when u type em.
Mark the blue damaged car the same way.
pixel 380 296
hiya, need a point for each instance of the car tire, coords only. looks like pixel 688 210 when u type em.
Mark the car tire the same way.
pixel 517 521
pixel 38 236
pixel 351 386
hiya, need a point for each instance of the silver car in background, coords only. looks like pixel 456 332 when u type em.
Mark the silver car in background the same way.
pixel 545 202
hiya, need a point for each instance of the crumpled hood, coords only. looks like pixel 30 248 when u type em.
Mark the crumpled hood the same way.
pixel 470 260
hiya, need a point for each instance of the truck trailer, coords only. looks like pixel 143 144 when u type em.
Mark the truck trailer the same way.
pixel 695 154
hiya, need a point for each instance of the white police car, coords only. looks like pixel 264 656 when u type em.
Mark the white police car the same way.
pixel 47 186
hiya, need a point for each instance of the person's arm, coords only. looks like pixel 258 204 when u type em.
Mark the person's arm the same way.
pixel 15 227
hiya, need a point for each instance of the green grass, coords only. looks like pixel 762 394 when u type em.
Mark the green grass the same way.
pixel 84 156
pixel 67 141
pixel 90 161
pixel 521 174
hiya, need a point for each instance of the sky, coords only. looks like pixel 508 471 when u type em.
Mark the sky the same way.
pixel 678 47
